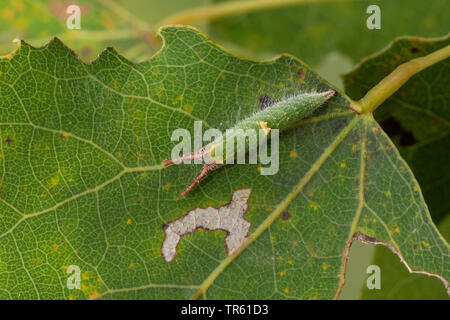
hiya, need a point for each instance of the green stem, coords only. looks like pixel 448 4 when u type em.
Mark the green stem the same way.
pixel 212 12
pixel 390 84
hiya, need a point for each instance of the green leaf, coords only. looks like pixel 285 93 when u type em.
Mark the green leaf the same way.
pixel 82 181
pixel 314 30
pixel 397 283
pixel 417 118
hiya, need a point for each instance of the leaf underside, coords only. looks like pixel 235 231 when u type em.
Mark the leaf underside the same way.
pixel 417 118
pixel 81 148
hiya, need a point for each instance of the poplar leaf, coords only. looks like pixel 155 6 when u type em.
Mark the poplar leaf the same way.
pixel 83 184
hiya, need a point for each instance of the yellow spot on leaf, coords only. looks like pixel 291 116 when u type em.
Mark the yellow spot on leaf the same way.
pixel 42 196
pixel 397 229
pixel 374 220
pixel 71 298
pixel 129 221
pixel 282 273
pixel 416 188
pixel 55 181
pixel 290 261
pixel 177 99
pixel 47 148
pixel 166 186
pixel 188 108
pixel 55 247
pixel 293 154
pixel 388 193
pixel 286 290
pixel 119 154
pixel 94 295
pixel 132 265
pixel 324 267
pixel 342 165
pixel 84 276
pixel 425 244
pixel 143 174
pixel 313 206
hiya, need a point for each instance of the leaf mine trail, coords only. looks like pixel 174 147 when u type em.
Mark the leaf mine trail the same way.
pixel 229 218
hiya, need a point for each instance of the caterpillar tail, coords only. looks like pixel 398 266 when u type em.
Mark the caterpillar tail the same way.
pixel 207 167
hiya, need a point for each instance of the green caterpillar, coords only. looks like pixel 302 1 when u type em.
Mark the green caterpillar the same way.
pixel 281 115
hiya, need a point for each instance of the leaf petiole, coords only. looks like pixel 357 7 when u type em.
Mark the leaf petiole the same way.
pixel 390 84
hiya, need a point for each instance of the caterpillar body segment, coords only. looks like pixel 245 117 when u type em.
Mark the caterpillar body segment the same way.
pixel 281 115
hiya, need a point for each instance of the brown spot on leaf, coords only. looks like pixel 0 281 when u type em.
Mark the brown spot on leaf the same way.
pixel 266 101
pixel 301 75
pixel 286 215
pixel 86 51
